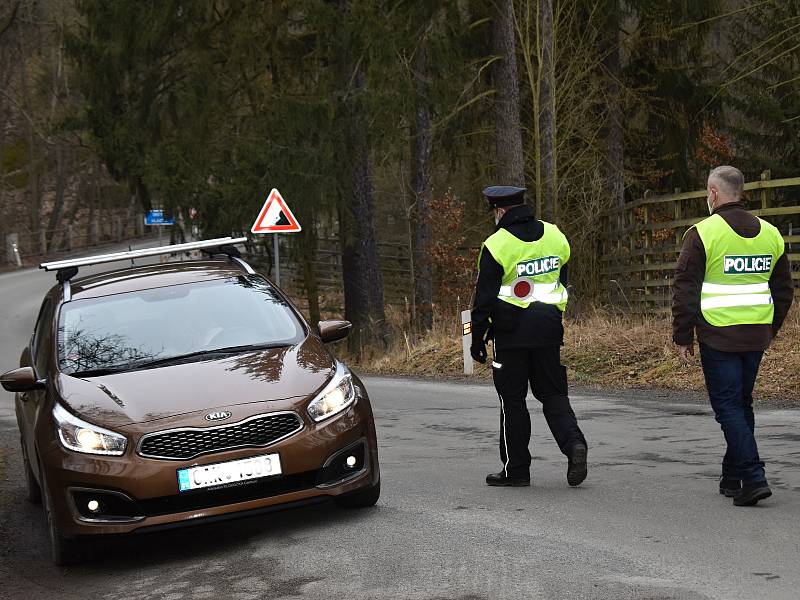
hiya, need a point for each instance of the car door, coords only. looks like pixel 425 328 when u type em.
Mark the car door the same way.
pixel 32 403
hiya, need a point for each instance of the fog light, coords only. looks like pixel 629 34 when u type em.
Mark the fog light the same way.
pixel 351 461
pixel 93 505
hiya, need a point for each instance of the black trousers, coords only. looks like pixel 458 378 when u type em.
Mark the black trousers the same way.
pixel 513 370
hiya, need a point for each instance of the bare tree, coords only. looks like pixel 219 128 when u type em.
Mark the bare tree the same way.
pixel 361 275
pixel 423 276
pixel 610 50
pixel 547 112
pixel 510 165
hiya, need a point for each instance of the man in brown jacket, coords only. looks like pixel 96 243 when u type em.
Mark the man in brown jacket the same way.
pixel 733 284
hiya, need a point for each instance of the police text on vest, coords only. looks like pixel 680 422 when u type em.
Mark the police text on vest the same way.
pixel 538 266
pixel 740 265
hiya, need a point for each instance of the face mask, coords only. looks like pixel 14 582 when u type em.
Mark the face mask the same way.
pixel 710 206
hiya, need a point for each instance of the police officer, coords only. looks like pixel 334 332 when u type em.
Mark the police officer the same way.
pixel 733 283
pixel 520 297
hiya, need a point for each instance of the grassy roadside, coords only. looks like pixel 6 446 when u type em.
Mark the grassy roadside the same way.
pixel 605 351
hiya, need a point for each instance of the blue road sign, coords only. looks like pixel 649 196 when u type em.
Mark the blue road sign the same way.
pixel 156 217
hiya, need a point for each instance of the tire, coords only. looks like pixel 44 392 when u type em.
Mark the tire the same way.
pixel 33 490
pixel 64 552
pixel 362 498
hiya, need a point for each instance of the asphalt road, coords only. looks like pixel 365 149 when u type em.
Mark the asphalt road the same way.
pixel 647 524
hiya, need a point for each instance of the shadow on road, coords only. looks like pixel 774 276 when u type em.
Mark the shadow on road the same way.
pixel 25 541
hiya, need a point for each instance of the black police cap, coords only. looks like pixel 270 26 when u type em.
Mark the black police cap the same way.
pixel 504 195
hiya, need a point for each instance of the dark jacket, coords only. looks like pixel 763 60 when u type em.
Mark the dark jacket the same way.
pixel 512 326
pixel 689 275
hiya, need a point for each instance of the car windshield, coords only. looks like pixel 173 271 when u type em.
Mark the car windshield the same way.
pixel 134 328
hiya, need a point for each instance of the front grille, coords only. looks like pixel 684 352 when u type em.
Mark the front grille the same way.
pixel 241 492
pixel 186 443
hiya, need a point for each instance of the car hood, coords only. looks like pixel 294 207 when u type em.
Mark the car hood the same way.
pixel 150 394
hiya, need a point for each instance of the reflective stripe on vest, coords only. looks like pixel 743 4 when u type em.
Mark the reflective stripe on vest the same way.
pixel 548 293
pixel 713 302
pixel 736 286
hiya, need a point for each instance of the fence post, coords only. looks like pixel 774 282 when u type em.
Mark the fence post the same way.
pixel 765 176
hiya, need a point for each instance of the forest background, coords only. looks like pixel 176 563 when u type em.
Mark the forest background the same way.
pixel 380 121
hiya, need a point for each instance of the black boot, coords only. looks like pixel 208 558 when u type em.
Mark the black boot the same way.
pixel 751 493
pixel 729 487
pixel 500 479
pixel 577 469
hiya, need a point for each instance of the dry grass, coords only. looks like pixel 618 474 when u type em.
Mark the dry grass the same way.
pixel 601 350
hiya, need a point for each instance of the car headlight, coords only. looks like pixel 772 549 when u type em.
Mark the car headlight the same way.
pixel 81 436
pixel 338 395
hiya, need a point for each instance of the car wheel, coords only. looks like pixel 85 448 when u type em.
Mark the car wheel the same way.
pixel 362 498
pixel 64 552
pixel 34 491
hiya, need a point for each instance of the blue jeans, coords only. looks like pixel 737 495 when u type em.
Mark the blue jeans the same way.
pixel 730 377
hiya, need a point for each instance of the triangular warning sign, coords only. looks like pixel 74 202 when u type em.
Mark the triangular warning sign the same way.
pixel 275 216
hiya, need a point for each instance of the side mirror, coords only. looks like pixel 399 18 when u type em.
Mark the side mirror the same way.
pixel 331 331
pixel 20 380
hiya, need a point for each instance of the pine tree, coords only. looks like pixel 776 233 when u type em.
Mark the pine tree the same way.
pixel 669 72
pixel 761 89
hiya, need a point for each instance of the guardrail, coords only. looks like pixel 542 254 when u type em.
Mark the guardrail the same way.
pixel 641 240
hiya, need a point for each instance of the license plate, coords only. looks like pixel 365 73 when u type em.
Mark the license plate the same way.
pixel 225 473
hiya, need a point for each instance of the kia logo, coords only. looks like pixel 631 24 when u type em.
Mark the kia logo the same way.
pixel 218 416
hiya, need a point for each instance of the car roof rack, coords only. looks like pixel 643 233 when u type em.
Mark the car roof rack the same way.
pixel 67 269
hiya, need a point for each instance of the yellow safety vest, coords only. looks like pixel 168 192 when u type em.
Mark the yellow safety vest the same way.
pixel 736 284
pixel 531 270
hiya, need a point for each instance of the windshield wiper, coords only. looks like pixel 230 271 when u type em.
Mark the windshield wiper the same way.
pixel 160 362
pixel 167 360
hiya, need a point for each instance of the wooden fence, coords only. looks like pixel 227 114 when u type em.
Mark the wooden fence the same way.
pixel 641 241
pixel 394 260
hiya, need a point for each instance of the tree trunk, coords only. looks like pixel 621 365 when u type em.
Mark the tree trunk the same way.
pixel 3 123
pixel 356 302
pixel 361 276
pixel 35 200
pixel 510 165
pixel 547 114
pixel 312 290
pixel 360 268
pixel 615 168
pixel 59 201
pixel 423 277
pixel 308 244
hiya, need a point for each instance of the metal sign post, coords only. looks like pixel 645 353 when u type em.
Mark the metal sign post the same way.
pixel 277 256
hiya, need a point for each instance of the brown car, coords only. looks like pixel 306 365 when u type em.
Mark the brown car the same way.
pixel 177 393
